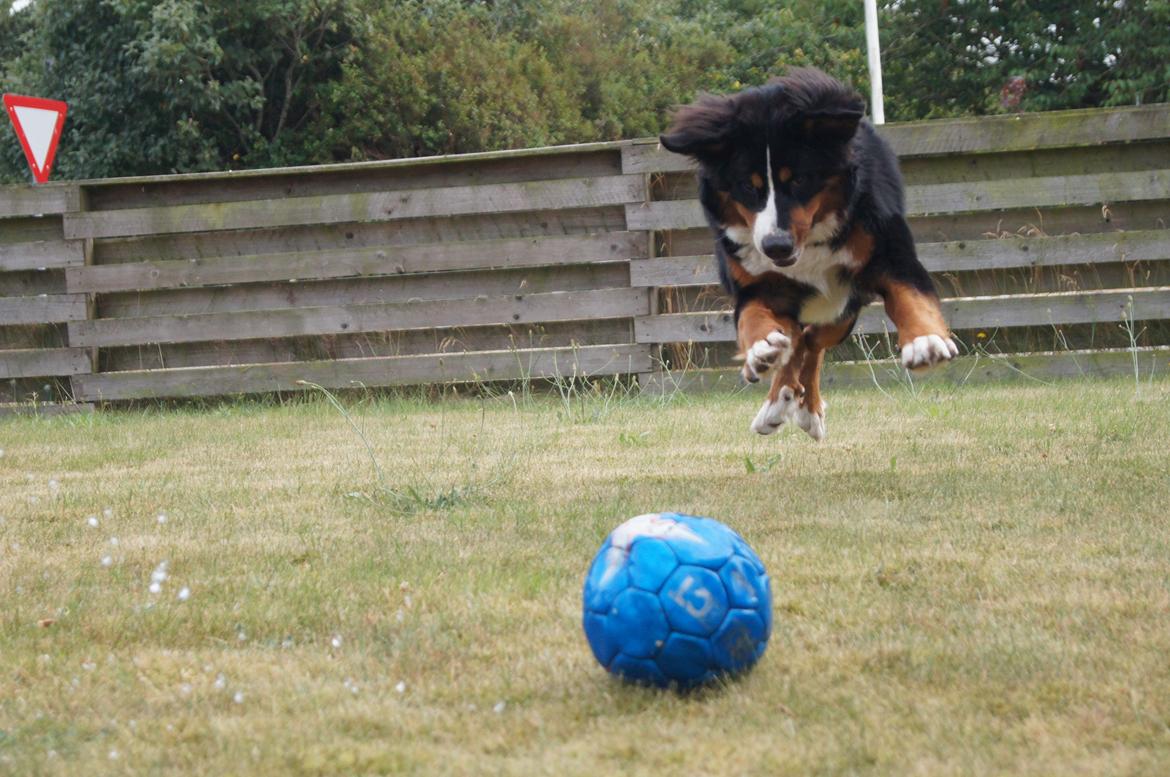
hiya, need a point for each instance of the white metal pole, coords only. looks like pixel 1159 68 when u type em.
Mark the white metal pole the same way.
pixel 875 62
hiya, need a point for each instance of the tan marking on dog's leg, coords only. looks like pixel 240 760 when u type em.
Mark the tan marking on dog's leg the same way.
pixel 810 416
pixel 923 336
pixel 765 339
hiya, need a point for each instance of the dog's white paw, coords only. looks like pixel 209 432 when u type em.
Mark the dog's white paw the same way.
pixel 810 422
pixel 927 351
pixel 772 415
pixel 773 350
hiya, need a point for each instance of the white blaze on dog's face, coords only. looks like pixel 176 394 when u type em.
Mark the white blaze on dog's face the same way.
pixel 765 221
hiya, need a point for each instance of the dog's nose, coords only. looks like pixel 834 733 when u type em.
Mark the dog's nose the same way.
pixel 778 247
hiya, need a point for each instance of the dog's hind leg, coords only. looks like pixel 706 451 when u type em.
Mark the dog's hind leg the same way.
pixel 809 414
pixel 783 395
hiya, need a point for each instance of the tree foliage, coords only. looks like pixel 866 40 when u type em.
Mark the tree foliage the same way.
pixel 190 85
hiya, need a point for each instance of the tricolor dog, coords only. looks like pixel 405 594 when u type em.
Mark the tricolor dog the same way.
pixel 807 208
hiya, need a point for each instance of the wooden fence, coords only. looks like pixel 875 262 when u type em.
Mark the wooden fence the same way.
pixel 1047 234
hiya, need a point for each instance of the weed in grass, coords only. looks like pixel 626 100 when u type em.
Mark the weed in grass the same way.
pixel 438 483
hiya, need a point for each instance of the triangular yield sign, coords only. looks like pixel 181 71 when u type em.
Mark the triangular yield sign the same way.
pixel 38 124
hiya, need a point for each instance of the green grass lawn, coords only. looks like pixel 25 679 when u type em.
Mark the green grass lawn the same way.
pixel 967 581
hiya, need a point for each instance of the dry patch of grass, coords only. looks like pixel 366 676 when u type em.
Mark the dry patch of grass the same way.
pixel 972 582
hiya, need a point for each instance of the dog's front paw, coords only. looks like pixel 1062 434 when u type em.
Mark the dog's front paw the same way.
pixel 774 350
pixel 927 351
pixel 773 414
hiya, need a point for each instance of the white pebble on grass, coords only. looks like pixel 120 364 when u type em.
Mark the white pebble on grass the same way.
pixel 114 541
pixel 184 594
pixel 336 641
pixel 108 512
pixel 499 707
pixel 155 588
pixel 401 687
pixel 113 755
pixel 162 518
pixel 220 682
pixel 92 521
pixel 107 561
pixel 238 698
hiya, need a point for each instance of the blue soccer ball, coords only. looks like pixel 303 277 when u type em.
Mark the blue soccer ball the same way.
pixel 677 599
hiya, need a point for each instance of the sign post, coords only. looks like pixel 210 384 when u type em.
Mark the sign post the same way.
pixel 38 124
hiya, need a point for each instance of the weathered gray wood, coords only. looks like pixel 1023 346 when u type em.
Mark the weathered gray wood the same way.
pixel 412 163
pixel 300 322
pixel 44 410
pixel 1038 192
pixel 562 334
pixel 953 256
pixel 363 207
pixel 961 313
pixel 44 362
pixel 32 283
pixel 371 372
pixel 671 214
pixel 1040 163
pixel 968 368
pixel 674 271
pixel 359 262
pixel 365 291
pixel 28 229
pixel 648 156
pixel 1027 131
pixel 42 200
pixel 47 309
pixel 985 134
pixel 957 256
pixel 374 177
pixel 375 234
pixel 46 254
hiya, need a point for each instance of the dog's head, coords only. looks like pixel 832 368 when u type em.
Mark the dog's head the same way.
pixel 777 156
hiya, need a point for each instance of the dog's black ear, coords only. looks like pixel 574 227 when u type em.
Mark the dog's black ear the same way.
pixel 702 129
pixel 835 122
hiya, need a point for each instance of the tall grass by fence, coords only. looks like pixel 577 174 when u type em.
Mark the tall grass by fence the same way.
pixel 1046 233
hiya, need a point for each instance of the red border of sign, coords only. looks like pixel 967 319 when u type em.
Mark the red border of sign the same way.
pixel 11 102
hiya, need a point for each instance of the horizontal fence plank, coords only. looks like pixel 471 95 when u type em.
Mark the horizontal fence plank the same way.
pixel 327 320
pixel 44 362
pixel 316 181
pixel 45 309
pixel 981 368
pixel 372 206
pixel 985 134
pixel 1013 252
pixel 1046 192
pixel 355 262
pixel 229 177
pixel 931 199
pixel 43 200
pixel 961 313
pixel 671 214
pixel 369 372
pixel 953 256
pixel 409 342
pixel 665 271
pixel 41 255
pixel 365 291
pixel 1028 131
